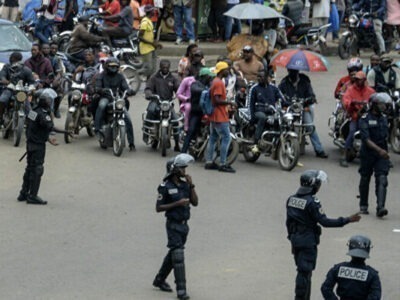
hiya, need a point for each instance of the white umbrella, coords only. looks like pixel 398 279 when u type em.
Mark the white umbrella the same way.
pixel 252 11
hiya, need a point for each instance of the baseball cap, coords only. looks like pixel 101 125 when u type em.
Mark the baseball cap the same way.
pixel 360 75
pixel 220 67
pixel 206 72
pixel 386 57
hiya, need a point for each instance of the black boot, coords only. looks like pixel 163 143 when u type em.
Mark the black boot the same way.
pixel 23 194
pixel 364 191
pixel 34 185
pixel 380 190
pixel 178 261
pixel 163 273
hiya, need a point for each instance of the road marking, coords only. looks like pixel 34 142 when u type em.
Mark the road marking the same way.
pixel 396 230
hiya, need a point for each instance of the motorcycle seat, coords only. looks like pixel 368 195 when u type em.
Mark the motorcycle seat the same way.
pixel 305 30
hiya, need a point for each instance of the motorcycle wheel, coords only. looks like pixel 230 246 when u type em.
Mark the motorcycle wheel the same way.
pixel 395 136
pixel 132 76
pixel 63 43
pixel 18 128
pixel 164 141
pixel 323 48
pixel 249 155
pixel 233 152
pixel 288 153
pixel 344 47
pixel 133 60
pixel 69 126
pixel 118 140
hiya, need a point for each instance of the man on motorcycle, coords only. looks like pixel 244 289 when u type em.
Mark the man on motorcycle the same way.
pixel 262 96
pixel 354 101
pixel 81 39
pixel 125 21
pixel 46 13
pixel 249 65
pixel 86 73
pixel 384 78
pixel 297 85
pixel 40 66
pixel 164 84
pixel 378 10
pixel 112 79
pixel 353 66
pixel 12 73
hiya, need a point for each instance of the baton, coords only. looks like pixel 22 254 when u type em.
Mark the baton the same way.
pixel 23 156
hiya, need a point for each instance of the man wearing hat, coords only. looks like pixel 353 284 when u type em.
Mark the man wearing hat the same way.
pixel 354 102
pixel 175 195
pixel 148 45
pixel 249 65
pixel 383 78
pixel 353 279
pixel 219 125
pixel 81 39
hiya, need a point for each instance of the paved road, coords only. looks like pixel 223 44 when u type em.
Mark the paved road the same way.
pixel 100 238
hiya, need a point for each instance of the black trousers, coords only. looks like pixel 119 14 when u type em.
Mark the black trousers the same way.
pixel 34 169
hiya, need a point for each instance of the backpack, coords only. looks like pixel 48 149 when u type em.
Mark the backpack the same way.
pixel 206 103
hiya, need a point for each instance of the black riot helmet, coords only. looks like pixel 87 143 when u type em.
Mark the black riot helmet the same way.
pixel 310 181
pixel 379 101
pixel 112 65
pixel 174 164
pixel 46 97
pixel 359 246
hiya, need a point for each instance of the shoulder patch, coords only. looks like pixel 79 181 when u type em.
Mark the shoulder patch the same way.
pixel 48 118
pixel 353 273
pixel 297 203
pixel 32 115
pixel 364 116
pixel 315 199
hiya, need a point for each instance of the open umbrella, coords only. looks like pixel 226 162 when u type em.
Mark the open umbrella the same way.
pixel 302 60
pixel 252 11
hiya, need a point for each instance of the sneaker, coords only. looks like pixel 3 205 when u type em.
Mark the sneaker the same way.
pixel 178 41
pixel 364 210
pixel 192 42
pixel 381 212
pixel 226 169
pixel 321 154
pixel 343 163
pixel 211 166
pixel 255 149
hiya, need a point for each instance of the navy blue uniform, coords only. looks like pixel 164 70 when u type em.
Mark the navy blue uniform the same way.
pixel 39 126
pixel 355 281
pixel 303 214
pixel 374 128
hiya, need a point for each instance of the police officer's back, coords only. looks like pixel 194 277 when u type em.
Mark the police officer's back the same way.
pixel 354 279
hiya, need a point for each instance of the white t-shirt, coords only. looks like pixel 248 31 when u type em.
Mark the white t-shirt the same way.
pixel 47 14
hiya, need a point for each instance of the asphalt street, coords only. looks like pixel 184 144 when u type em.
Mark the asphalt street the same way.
pixel 99 237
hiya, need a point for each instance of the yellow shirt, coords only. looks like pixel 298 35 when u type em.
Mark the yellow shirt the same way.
pixel 147 26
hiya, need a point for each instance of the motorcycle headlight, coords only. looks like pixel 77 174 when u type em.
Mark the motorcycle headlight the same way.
pixel 297 107
pixel 21 96
pixel 76 95
pixel 288 117
pixel 353 20
pixel 120 104
pixel 165 106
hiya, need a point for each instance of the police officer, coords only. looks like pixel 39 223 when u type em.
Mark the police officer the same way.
pixel 175 195
pixel 374 156
pixel 39 126
pixel 355 280
pixel 303 214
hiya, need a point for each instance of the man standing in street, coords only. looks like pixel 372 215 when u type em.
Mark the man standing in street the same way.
pixel 175 195
pixel 374 156
pixel 183 15
pixel 219 125
pixel 303 214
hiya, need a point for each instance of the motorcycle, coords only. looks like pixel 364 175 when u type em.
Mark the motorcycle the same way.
pixel 78 115
pixel 311 37
pixel 393 114
pixel 198 147
pixel 302 129
pixel 360 34
pixel 158 125
pixel 278 140
pixel 339 124
pixel 14 115
pixel 113 131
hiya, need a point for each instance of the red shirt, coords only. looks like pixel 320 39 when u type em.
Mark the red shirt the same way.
pixel 355 94
pixel 220 114
pixel 341 86
pixel 113 8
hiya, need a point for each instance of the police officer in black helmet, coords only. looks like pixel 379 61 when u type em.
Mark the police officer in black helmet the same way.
pixel 303 214
pixel 39 126
pixel 354 279
pixel 175 195
pixel 374 156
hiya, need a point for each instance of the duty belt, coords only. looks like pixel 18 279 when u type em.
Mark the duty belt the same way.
pixel 177 222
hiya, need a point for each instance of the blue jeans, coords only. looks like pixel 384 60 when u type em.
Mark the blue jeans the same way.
pixel 194 125
pixel 218 130
pixel 183 14
pixel 308 118
pixel 335 34
pixel 43 29
pixel 350 138
pixel 232 26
